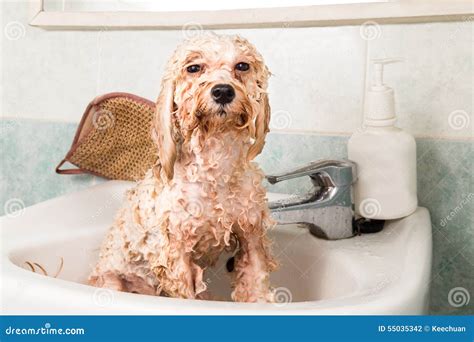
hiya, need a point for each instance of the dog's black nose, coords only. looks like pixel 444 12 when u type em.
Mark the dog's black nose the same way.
pixel 223 93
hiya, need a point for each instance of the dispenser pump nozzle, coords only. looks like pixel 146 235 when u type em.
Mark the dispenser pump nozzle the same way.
pixel 379 68
pixel 380 103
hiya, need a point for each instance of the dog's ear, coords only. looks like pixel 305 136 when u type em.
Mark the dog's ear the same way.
pixel 164 127
pixel 262 122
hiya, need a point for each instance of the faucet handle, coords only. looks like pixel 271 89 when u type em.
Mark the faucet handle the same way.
pixel 341 172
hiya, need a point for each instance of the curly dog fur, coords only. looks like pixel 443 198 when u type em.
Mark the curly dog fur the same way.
pixel 205 194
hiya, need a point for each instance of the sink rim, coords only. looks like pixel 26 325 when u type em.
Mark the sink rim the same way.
pixel 361 301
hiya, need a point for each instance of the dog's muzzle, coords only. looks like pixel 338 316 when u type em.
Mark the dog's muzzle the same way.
pixel 223 93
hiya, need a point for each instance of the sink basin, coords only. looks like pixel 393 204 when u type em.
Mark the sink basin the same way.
pixel 382 273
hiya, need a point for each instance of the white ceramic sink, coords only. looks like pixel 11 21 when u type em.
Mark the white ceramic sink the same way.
pixel 383 273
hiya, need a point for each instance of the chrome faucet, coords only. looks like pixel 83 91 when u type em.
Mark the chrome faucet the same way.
pixel 327 209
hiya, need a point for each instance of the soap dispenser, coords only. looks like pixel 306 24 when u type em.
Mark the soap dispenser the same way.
pixel 385 156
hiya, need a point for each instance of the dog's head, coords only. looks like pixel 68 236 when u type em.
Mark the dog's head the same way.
pixel 212 83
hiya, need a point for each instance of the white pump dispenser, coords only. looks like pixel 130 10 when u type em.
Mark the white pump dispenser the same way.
pixel 380 100
pixel 385 156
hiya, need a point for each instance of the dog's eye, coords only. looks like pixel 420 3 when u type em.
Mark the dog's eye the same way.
pixel 242 66
pixel 193 68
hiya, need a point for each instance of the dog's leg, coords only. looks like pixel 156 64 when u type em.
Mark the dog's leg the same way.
pixel 252 268
pixel 183 278
pixel 136 284
pixel 128 283
pixel 109 280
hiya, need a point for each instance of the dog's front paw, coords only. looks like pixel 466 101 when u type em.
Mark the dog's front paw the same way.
pixel 270 296
pixel 253 296
pixel 206 295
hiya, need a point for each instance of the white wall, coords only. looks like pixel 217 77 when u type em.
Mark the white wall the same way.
pixel 318 83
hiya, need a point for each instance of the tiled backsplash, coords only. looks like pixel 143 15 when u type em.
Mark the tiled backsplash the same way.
pixel 31 149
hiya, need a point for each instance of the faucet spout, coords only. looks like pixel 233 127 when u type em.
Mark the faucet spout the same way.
pixel 327 209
